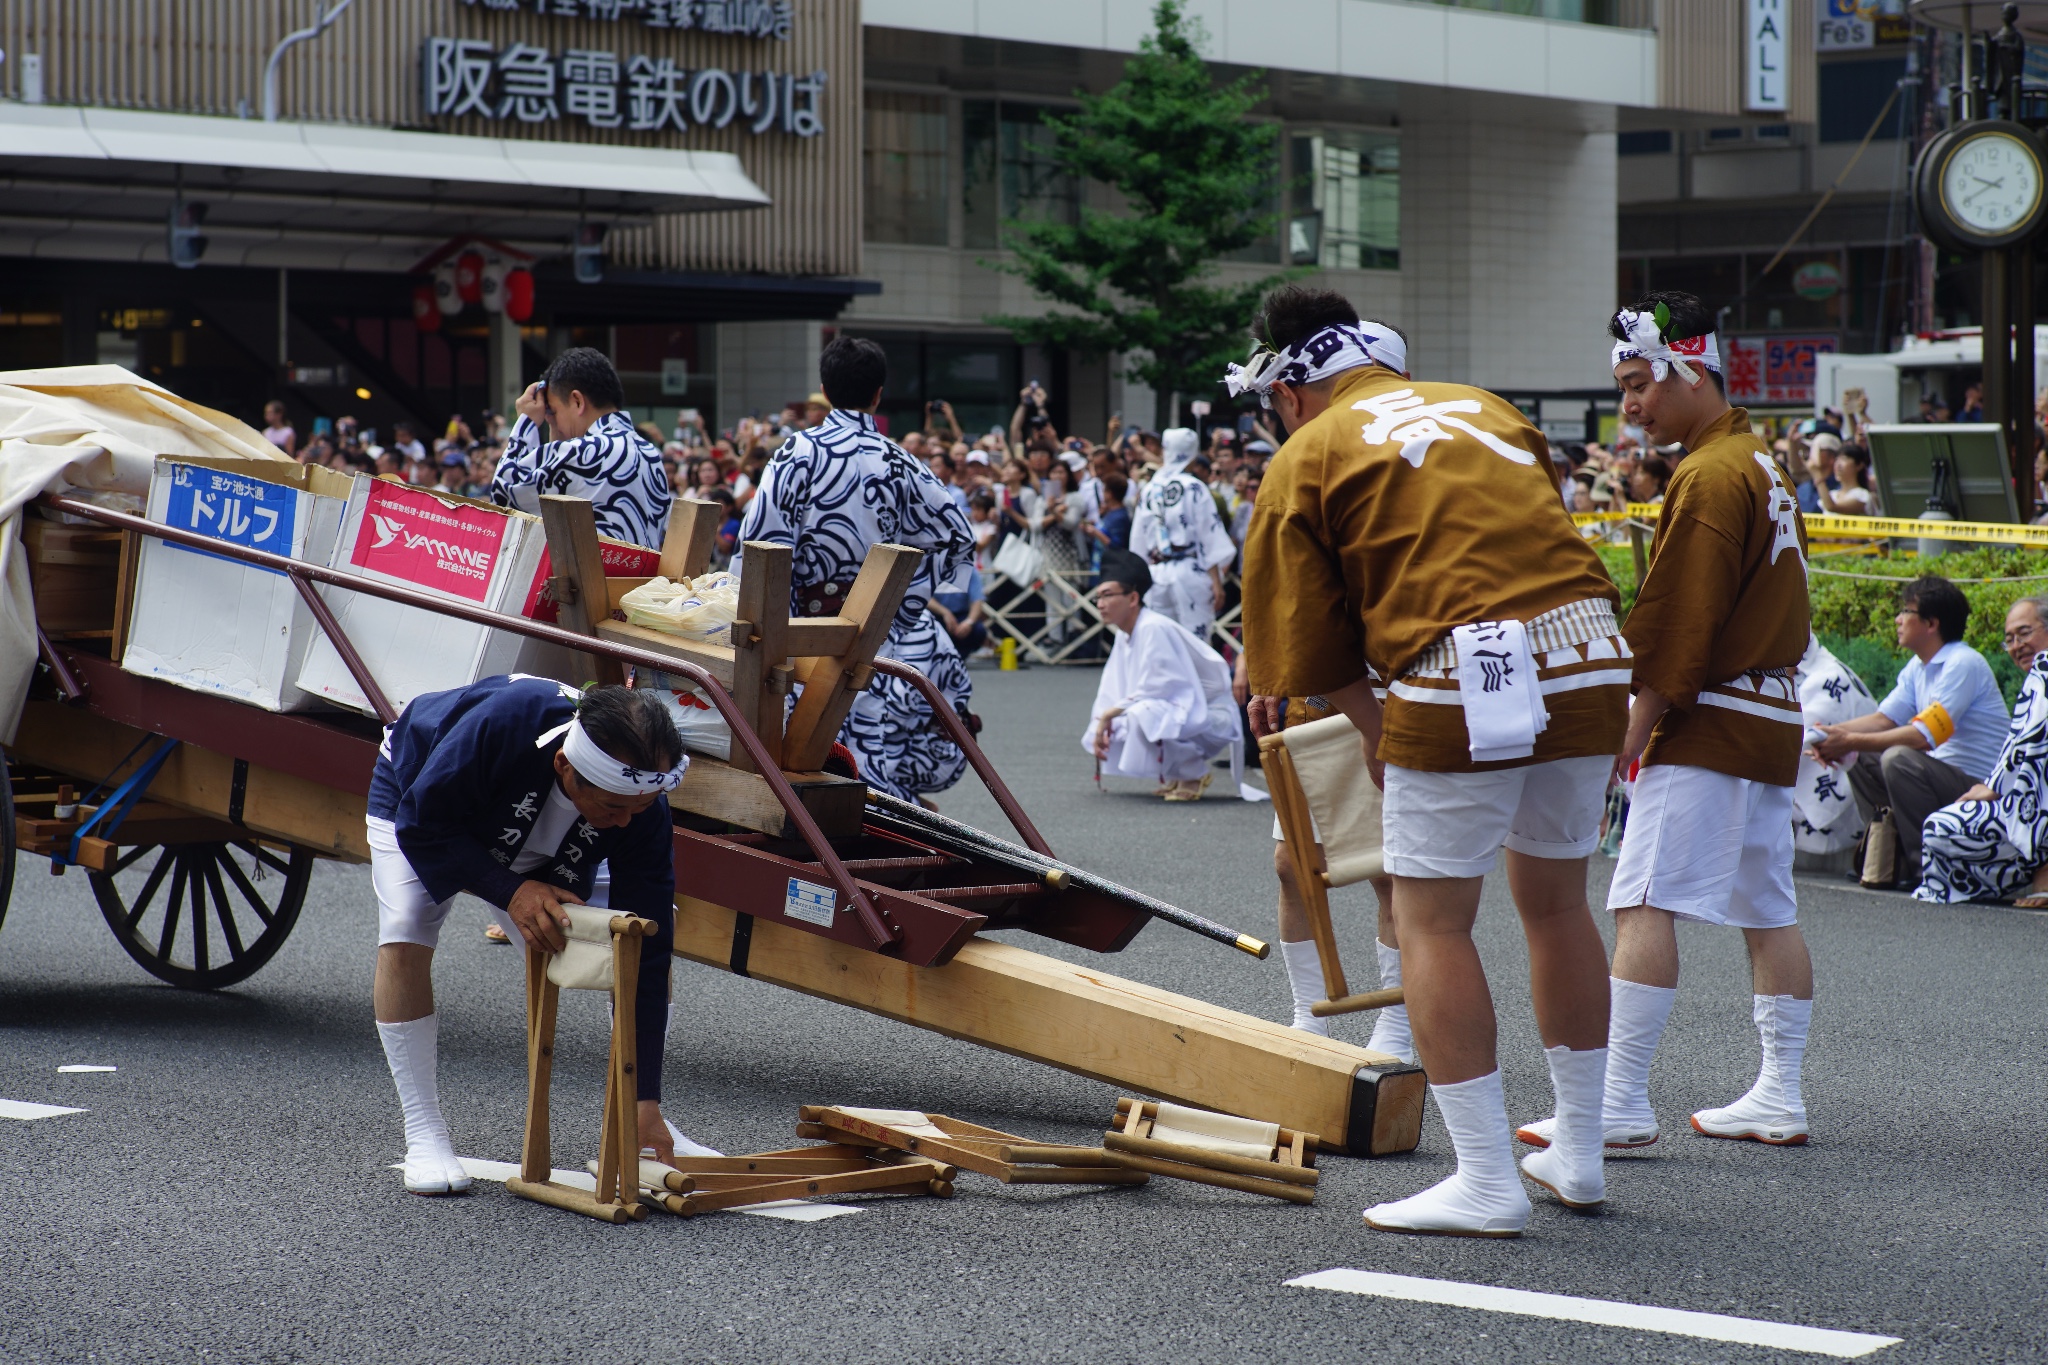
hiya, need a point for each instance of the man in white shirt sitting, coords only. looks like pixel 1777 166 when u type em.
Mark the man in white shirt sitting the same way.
pixel 1940 730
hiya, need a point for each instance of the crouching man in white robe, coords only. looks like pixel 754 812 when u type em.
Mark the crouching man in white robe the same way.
pixel 1164 709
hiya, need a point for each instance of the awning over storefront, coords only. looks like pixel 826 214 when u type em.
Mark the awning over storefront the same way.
pixel 87 183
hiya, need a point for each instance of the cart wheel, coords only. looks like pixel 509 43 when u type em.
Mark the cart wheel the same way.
pixel 196 915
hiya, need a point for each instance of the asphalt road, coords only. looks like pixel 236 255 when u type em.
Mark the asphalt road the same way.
pixel 227 1195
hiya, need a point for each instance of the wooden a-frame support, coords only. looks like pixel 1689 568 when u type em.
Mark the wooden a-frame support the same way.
pixel 617 1198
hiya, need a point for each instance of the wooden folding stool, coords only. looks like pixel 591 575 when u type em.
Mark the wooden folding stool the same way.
pixel 703 1184
pixel 1320 786
pixel 597 939
pixel 986 1151
pixel 1214 1149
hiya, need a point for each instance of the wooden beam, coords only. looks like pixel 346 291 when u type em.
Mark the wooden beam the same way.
pixel 692 536
pixel 760 641
pixel 717 660
pixel 827 635
pixel 576 561
pixel 1079 1018
pixel 276 805
pixel 615 589
pixel 721 791
pixel 831 683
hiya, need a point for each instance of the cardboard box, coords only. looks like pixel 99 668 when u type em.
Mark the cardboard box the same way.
pixel 453 548
pixel 211 623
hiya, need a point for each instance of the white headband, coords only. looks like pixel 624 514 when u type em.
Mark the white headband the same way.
pixel 601 770
pixel 1646 343
pixel 1331 351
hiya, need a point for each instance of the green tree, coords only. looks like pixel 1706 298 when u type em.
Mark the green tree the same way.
pixel 1198 175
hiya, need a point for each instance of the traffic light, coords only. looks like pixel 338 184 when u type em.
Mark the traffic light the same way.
pixel 589 254
pixel 187 243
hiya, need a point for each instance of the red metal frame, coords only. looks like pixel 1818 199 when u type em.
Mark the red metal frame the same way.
pixel 956 730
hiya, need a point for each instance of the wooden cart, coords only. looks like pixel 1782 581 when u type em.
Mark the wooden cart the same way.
pixel 198 819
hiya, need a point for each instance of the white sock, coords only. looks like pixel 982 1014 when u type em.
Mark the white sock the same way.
pixel 1485 1194
pixel 1635 1022
pixel 1572 1162
pixel 413 1051
pixel 1390 1032
pixel 1305 979
pixel 1781 1024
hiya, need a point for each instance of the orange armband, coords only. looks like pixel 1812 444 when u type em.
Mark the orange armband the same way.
pixel 1938 724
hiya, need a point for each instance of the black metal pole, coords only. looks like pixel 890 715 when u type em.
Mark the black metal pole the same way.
pixel 2023 377
pixel 1996 383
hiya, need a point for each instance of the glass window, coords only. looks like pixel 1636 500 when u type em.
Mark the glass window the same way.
pixel 1347 200
pixel 905 159
pixel 1852 92
pixel 1009 171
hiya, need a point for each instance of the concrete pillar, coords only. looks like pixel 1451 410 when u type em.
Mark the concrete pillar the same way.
pixel 1508 239
pixel 506 379
pixel 763 365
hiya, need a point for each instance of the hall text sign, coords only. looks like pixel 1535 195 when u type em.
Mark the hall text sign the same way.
pixel 644 94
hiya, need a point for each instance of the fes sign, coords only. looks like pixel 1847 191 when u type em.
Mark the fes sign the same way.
pixel 1773 369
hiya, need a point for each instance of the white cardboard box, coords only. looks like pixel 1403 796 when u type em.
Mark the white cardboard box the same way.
pixel 215 625
pixel 453 548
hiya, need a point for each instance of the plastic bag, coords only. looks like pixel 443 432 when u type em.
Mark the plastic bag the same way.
pixel 704 731
pixel 699 609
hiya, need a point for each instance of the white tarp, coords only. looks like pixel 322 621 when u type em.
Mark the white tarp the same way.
pixel 94 427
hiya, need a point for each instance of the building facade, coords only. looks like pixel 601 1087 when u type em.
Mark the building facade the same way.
pixel 710 188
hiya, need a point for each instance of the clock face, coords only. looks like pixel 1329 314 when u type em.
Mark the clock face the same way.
pixel 1991 184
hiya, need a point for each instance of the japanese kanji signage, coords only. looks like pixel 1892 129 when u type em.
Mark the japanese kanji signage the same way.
pixel 743 18
pixel 247 512
pixel 644 94
pixel 1774 369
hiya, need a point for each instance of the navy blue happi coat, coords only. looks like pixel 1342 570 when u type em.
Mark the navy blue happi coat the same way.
pixel 461 778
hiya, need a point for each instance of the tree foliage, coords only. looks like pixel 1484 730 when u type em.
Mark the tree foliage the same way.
pixel 1197 174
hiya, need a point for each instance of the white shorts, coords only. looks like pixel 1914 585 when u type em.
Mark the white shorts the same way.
pixel 1455 824
pixel 408 913
pixel 1706 846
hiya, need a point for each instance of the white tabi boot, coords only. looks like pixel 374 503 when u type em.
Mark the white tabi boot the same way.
pixel 1390 1033
pixel 1305 979
pixel 413 1048
pixel 1636 1018
pixel 1483 1198
pixel 684 1144
pixel 1773 1111
pixel 1570 1166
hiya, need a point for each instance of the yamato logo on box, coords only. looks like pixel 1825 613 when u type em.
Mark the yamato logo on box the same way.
pixel 416 538
pixel 241 511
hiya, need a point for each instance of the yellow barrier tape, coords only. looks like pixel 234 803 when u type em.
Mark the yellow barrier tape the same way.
pixel 1835 527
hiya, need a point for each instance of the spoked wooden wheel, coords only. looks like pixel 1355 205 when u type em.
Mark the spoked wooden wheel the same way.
pixel 203 916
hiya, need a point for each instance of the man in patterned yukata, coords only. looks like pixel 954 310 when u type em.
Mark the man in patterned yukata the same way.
pixel 596 453
pixel 830 493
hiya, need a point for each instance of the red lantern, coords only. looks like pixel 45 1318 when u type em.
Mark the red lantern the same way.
pixel 469 276
pixel 519 295
pixel 426 313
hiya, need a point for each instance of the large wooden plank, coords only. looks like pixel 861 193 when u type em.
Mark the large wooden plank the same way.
pixel 713 659
pixel 692 536
pixel 719 791
pixel 1084 1020
pixel 760 642
pixel 80 744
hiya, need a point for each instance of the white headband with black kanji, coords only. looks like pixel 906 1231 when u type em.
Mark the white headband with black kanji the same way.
pixel 1646 342
pixel 1333 350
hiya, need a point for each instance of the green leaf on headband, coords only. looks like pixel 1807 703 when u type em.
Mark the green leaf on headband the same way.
pixel 1663 316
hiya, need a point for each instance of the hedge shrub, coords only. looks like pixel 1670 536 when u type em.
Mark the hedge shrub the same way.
pixel 1853 615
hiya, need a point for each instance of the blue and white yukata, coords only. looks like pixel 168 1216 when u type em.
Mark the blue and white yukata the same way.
pixel 1988 850
pixel 616 468
pixel 829 494
pixel 1180 534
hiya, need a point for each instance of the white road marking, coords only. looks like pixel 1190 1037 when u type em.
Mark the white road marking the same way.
pixel 1783 1336
pixel 788 1210
pixel 78 1068
pixel 22 1109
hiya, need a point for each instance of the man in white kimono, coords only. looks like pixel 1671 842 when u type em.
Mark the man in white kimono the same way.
pixel 1164 708
pixel 1178 532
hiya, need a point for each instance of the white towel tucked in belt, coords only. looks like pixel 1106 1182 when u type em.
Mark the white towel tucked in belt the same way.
pixel 1504 709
